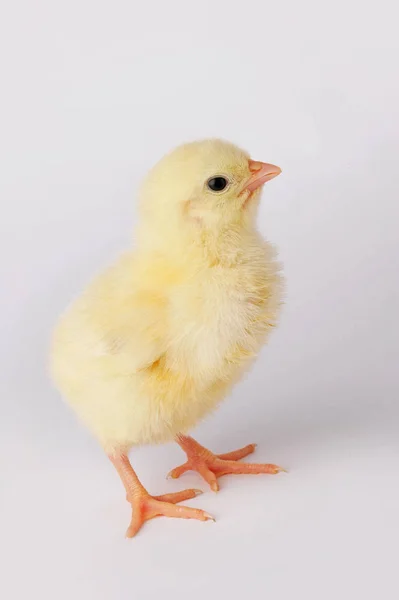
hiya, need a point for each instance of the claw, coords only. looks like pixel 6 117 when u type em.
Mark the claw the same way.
pixel 209 517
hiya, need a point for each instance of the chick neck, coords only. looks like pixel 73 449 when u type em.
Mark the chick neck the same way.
pixel 184 239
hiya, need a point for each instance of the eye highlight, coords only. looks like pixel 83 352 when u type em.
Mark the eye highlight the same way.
pixel 217 184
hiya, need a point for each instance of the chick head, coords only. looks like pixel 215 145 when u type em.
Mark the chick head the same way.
pixel 209 183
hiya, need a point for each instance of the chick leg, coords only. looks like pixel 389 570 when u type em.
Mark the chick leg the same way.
pixel 146 507
pixel 211 466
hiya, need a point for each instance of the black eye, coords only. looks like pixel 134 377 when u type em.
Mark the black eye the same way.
pixel 217 184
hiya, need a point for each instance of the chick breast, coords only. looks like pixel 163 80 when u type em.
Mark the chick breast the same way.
pixel 148 350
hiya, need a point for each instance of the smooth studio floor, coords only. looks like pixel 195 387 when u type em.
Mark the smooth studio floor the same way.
pixel 326 529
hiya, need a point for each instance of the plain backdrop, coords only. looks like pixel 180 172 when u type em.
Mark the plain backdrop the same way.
pixel 92 94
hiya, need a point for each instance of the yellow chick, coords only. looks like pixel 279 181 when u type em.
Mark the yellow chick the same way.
pixel 157 340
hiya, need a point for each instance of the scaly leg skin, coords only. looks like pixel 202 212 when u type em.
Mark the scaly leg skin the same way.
pixel 146 507
pixel 211 466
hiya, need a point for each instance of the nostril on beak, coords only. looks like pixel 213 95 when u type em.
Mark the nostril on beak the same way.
pixel 254 166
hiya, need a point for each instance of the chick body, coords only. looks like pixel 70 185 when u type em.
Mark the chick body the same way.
pixel 157 340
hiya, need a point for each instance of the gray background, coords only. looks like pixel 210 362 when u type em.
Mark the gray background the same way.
pixel 92 94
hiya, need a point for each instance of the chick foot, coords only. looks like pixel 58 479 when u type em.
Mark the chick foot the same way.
pixel 212 466
pixel 145 506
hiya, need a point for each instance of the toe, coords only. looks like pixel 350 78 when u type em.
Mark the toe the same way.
pixel 175 473
pixel 237 454
pixel 176 497
pixel 135 524
pixel 186 512
pixel 251 468
pixel 209 477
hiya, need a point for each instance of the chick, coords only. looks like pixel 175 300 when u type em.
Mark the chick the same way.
pixel 157 340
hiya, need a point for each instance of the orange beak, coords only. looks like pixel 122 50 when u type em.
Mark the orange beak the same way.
pixel 261 172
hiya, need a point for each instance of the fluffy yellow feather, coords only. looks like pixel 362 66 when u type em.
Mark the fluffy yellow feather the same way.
pixel 156 341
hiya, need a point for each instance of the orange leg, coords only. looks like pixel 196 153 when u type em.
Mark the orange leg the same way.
pixel 211 466
pixel 146 507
